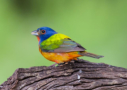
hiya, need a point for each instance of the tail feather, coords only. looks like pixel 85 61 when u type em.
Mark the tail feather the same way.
pixel 84 53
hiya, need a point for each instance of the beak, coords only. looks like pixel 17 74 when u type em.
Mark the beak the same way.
pixel 34 33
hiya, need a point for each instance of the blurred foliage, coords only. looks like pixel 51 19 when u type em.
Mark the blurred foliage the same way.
pixel 98 25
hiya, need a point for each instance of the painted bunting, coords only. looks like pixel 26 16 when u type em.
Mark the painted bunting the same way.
pixel 58 47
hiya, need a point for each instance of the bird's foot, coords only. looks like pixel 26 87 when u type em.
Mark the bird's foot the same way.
pixel 58 64
pixel 61 64
pixel 65 63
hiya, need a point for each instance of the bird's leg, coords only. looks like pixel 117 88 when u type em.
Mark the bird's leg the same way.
pixel 78 59
pixel 53 65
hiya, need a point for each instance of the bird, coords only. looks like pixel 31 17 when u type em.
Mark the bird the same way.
pixel 58 47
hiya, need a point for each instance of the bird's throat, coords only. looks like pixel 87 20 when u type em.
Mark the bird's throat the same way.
pixel 38 38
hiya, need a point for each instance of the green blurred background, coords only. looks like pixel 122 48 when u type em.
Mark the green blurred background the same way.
pixel 98 25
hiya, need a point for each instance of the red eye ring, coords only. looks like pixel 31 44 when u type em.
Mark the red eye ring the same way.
pixel 43 31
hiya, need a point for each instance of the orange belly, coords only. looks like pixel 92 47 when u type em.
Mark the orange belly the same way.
pixel 60 57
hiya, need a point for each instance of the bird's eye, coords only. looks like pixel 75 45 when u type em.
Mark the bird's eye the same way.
pixel 43 31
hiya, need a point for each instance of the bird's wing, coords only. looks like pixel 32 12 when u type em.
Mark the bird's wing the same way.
pixel 63 45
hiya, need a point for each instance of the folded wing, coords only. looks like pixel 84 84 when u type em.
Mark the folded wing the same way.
pixel 64 45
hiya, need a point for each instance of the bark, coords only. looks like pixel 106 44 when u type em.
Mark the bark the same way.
pixel 76 75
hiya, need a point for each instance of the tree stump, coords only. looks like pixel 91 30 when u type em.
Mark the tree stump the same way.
pixel 76 75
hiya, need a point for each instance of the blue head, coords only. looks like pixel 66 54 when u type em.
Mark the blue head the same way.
pixel 43 33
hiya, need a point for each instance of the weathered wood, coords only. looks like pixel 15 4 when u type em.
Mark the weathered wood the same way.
pixel 78 75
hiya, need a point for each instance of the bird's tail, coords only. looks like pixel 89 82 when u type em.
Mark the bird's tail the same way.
pixel 84 53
